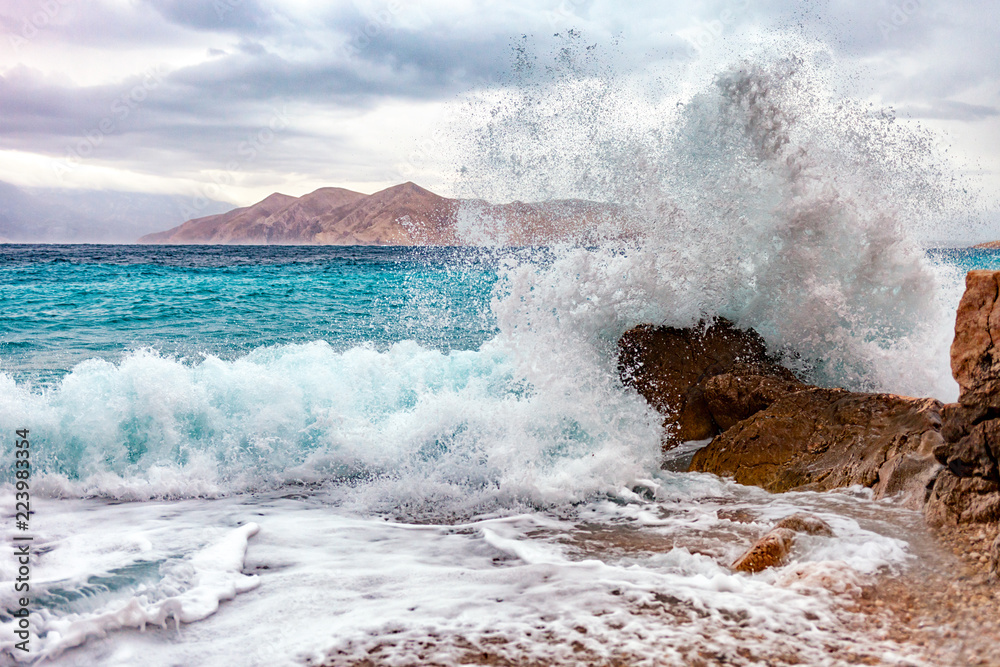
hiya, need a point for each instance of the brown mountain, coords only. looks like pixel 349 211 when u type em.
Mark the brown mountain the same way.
pixel 401 215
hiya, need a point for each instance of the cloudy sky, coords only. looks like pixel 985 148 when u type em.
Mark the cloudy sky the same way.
pixel 235 99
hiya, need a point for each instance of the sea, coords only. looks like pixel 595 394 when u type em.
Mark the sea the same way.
pixel 326 455
pixel 304 455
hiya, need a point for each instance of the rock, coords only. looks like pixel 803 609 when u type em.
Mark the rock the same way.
pixel 669 367
pixel 995 557
pixel 741 393
pixel 975 361
pixel 737 515
pixel 768 551
pixel 774 547
pixel 968 490
pixel 957 420
pixel 975 454
pixel 801 522
pixel 955 500
pixel 820 439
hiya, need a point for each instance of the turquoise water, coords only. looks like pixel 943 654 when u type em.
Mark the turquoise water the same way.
pixel 202 370
pixel 65 304
pixel 967 259
pixel 195 370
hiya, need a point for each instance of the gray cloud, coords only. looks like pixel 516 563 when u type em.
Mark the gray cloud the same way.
pixel 931 58
pixel 243 17
pixel 98 24
pixel 951 110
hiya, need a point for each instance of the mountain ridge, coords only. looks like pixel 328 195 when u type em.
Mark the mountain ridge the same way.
pixel 404 214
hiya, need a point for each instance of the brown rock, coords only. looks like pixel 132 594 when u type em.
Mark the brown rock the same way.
pixel 822 439
pixel 975 361
pixel 741 393
pixel 768 551
pixel 995 557
pixel 975 455
pixel 955 500
pixel 669 368
pixel 968 490
pixel 774 547
pixel 957 420
pixel 801 522
pixel 737 515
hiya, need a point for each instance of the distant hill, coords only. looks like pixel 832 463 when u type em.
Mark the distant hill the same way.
pixel 989 245
pixel 405 214
pixel 57 215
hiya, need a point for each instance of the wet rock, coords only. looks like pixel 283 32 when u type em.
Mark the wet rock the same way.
pixel 737 515
pixel 820 439
pixel 772 549
pixel 975 360
pixel 670 367
pixel 957 420
pixel 958 500
pixel 768 551
pixel 742 393
pixel 801 522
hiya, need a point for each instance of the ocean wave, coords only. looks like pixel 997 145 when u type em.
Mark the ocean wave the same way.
pixel 755 190
pixel 414 426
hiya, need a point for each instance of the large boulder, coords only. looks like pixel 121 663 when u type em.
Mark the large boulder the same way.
pixel 975 359
pixel 968 489
pixel 672 369
pixel 820 439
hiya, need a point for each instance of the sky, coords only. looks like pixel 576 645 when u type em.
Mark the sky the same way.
pixel 234 99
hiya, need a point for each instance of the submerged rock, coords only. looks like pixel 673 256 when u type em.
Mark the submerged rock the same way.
pixel 768 551
pixel 671 368
pixel 819 439
pixel 773 548
pixel 800 522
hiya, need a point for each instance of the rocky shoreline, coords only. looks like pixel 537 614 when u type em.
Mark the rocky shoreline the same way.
pixel 765 427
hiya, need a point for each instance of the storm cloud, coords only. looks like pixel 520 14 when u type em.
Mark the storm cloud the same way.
pixel 312 93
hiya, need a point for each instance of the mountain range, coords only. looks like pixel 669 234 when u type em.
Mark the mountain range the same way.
pixel 405 214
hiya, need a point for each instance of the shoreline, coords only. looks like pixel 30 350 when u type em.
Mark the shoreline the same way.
pixel 946 604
